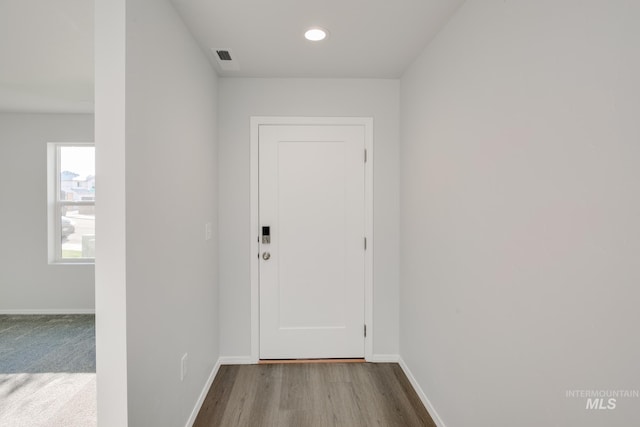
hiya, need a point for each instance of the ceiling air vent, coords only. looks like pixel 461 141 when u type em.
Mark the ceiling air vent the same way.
pixel 226 59
pixel 223 55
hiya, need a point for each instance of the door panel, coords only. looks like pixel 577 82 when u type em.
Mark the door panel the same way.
pixel 312 198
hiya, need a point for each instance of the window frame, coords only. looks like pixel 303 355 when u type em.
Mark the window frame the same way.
pixel 55 205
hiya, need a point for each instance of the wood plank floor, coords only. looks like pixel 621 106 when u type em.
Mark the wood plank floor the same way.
pixel 312 395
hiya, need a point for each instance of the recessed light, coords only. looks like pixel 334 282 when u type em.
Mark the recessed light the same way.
pixel 315 34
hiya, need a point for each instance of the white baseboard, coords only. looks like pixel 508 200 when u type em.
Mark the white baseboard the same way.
pixel 49 311
pixel 203 395
pixel 236 360
pixel 385 358
pixel 423 397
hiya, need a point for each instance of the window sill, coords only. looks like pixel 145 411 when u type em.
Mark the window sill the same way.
pixel 72 262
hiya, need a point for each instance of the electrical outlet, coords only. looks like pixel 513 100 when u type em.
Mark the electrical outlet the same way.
pixel 183 366
pixel 207 231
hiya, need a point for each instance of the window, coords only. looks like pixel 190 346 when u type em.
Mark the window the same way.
pixel 72 197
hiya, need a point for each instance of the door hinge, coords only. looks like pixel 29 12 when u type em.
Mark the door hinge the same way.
pixel 365 243
pixel 365 156
pixel 365 331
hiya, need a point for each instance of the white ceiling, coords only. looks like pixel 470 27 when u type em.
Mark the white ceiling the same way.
pixel 368 38
pixel 46 46
pixel 46 56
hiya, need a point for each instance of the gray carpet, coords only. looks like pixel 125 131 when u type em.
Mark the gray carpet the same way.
pixel 47 371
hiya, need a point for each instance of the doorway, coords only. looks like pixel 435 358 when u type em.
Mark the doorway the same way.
pixel 312 240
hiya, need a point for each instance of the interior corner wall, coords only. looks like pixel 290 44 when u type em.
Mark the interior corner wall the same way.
pixel 156 273
pixel 519 213
pixel 28 283
pixel 241 98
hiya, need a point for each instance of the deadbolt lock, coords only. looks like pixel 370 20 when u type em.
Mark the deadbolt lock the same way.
pixel 266 235
pixel 266 256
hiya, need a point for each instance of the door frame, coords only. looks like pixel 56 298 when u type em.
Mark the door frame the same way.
pixel 255 123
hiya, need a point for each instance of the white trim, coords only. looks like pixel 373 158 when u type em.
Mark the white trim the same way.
pixel 48 311
pixel 52 188
pixel 254 248
pixel 203 395
pixel 81 261
pixel 368 255
pixel 421 394
pixel 237 360
pixel 255 122
pixel 385 358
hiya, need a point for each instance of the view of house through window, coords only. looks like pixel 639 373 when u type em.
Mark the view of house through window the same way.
pixel 75 204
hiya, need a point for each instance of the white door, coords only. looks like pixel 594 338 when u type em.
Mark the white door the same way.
pixel 311 198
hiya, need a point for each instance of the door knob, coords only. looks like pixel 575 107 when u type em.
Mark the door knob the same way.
pixel 266 256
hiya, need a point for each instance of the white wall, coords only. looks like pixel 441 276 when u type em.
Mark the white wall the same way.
pixel 239 99
pixel 519 213
pixel 28 283
pixel 156 274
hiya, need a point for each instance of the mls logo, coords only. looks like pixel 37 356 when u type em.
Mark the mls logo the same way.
pixel 600 404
